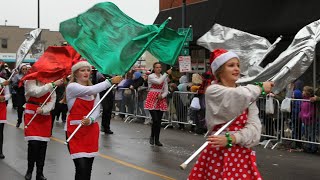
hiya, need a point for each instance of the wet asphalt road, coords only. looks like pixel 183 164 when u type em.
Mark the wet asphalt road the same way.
pixel 128 155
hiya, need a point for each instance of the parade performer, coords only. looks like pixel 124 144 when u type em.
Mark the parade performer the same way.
pixel 3 110
pixel 229 155
pixel 81 97
pixel 156 101
pixel 39 131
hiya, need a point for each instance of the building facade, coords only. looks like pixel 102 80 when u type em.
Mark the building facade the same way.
pixel 11 37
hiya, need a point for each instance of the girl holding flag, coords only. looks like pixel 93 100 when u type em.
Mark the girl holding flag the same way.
pixel 39 132
pixel 156 101
pixel 229 155
pixel 81 97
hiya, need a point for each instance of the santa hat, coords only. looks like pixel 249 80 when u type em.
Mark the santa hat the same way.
pixel 220 56
pixel 77 64
pixel 21 65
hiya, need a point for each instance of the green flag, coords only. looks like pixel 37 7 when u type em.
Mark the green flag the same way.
pixel 112 41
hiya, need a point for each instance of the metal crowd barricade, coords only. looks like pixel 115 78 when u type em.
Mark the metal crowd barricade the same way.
pixel 125 102
pixel 179 108
pixel 302 123
pixel 270 122
pixel 140 112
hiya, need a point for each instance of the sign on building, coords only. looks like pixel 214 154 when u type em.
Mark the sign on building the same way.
pixel 185 63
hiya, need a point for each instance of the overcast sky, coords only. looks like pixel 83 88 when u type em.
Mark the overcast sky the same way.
pixel 24 13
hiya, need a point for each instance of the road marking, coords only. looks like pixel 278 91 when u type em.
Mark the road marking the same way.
pixel 119 161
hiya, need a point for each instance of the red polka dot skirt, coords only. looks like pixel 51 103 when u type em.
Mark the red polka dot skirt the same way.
pixel 226 163
pixel 233 163
pixel 152 101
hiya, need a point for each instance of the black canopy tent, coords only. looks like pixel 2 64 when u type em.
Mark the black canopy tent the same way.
pixel 266 18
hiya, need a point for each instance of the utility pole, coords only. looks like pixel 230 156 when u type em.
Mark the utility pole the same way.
pixel 38 13
pixel 184 14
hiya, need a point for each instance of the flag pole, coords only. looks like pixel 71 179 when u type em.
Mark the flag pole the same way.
pixel 89 114
pixel 26 126
pixel 162 26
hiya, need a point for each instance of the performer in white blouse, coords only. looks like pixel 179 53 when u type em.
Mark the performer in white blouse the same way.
pixel 38 132
pixel 5 96
pixel 81 97
pixel 156 101
pixel 229 155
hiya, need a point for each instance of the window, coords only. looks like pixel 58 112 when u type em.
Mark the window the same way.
pixel 4 43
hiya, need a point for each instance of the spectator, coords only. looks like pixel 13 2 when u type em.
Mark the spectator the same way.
pixel 127 105
pixel 195 115
pixel 138 85
pixel 21 100
pixel 307 117
pixel 296 104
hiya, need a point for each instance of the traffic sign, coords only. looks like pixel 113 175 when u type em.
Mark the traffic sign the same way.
pixel 184 52
pixel 184 32
pixel 184 63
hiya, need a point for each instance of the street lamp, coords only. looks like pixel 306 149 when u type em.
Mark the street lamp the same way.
pixel 38 13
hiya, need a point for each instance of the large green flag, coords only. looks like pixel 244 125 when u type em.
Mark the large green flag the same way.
pixel 112 41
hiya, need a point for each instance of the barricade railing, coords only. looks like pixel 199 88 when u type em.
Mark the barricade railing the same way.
pixel 297 125
pixel 269 114
pixel 302 123
pixel 140 112
pixel 179 108
pixel 125 102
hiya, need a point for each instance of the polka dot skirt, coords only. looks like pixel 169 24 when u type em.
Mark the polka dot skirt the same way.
pixel 152 101
pixel 226 163
pixel 233 163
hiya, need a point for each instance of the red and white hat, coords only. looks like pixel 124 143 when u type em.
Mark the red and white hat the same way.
pixel 77 64
pixel 220 56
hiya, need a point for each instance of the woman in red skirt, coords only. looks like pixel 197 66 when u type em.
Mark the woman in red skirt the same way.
pixel 81 97
pixel 156 101
pixel 229 155
pixel 38 132
pixel 5 96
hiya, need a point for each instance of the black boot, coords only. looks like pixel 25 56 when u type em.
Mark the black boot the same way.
pixel 28 176
pixel 157 136
pixel 151 141
pixel 1 140
pixel 158 143
pixel 18 125
pixel 40 177
pixel 40 160
pixel 2 156
pixel 32 153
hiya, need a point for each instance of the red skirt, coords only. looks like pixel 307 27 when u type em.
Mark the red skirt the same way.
pixel 153 103
pixel 85 143
pixel 3 112
pixel 226 163
pixel 40 127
